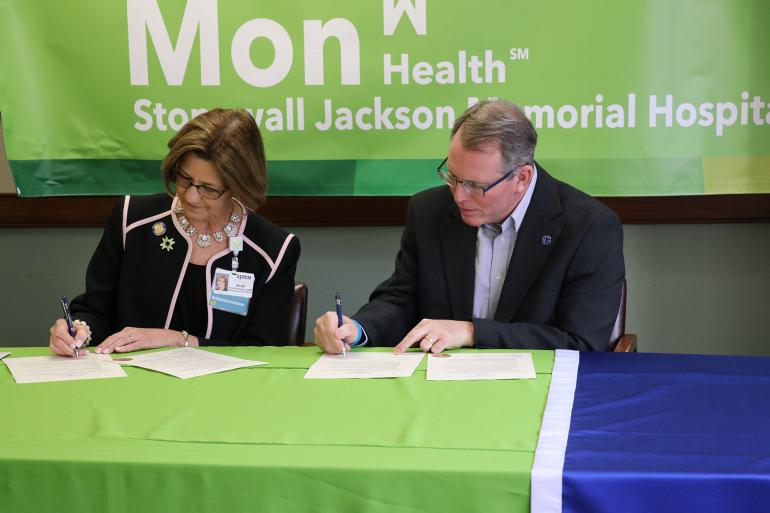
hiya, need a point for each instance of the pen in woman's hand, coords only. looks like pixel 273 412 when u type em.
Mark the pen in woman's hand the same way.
pixel 338 306
pixel 65 306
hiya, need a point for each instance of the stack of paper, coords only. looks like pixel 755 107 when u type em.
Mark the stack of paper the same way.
pixel 187 362
pixel 364 365
pixel 472 366
pixel 40 369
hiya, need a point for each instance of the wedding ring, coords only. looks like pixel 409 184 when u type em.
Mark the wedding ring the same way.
pixel 131 337
pixel 431 340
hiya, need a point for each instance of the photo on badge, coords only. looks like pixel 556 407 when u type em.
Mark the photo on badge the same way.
pixel 231 291
pixel 220 282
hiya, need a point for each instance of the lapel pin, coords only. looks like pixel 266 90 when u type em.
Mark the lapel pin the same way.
pixel 159 228
pixel 167 243
pixel 546 240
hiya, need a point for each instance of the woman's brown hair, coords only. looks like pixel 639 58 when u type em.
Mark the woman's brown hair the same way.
pixel 231 141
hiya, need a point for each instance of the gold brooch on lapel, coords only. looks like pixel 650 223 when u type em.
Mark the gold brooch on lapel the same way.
pixel 159 228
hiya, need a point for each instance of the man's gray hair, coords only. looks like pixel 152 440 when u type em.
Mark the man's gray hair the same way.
pixel 502 124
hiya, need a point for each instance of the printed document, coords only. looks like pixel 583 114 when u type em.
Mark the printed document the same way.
pixel 472 366
pixel 3 355
pixel 187 362
pixel 365 365
pixel 40 369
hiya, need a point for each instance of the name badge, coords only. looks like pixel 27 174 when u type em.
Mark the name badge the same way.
pixel 231 291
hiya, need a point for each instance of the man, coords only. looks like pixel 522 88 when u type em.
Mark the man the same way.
pixel 505 257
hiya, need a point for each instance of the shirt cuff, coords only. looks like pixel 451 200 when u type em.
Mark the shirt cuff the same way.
pixel 362 337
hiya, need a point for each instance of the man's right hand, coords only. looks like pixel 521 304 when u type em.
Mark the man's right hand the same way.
pixel 329 337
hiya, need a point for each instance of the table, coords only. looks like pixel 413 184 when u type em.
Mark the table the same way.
pixel 265 439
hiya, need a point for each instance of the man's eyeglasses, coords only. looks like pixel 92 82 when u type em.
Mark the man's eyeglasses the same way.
pixel 472 188
pixel 185 182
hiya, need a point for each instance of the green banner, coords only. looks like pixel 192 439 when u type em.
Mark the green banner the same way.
pixel 645 97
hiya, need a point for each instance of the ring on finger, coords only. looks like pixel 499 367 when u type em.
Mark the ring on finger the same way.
pixel 431 340
pixel 131 338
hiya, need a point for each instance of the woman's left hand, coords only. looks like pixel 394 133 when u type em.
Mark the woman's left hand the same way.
pixel 133 339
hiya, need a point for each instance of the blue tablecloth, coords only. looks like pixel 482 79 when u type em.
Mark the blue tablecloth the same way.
pixel 658 432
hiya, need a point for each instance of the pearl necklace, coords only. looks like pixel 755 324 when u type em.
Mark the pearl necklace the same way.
pixel 204 239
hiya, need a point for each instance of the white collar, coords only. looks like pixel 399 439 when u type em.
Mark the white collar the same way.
pixel 517 216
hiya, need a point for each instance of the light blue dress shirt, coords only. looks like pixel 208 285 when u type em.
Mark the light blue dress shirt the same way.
pixel 494 247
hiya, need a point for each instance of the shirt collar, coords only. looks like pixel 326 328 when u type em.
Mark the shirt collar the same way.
pixel 517 216
pixel 521 208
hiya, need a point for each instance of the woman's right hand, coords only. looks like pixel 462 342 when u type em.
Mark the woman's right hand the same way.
pixel 60 341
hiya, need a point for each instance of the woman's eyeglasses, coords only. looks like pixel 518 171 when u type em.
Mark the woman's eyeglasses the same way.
pixel 185 182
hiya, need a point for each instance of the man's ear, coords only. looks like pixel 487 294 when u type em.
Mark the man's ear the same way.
pixel 525 173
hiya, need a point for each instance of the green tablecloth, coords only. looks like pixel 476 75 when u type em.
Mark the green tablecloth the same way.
pixel 265 439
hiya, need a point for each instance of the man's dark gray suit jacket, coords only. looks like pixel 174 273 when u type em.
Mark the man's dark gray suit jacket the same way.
pixel 562 288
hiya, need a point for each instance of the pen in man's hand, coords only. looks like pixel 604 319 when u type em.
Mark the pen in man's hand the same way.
pixel 338 305
pixel 65 306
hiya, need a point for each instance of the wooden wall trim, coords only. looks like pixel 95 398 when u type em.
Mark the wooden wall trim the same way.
pixel 92 211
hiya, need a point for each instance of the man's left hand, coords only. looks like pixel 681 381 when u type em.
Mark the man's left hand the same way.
pixel 436 335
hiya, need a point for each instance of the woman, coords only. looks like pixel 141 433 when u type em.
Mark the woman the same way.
pixel 221 282
pixel 149 281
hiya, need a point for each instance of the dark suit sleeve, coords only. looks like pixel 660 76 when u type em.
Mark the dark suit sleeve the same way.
pixel 392 308
pixel 97 306
pixel 586 306
pixel 268 319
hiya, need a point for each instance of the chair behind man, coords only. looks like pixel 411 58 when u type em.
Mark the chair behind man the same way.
pixel 298 315
pixel 620 341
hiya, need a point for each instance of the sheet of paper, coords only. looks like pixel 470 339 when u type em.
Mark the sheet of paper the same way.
pixel 187 362
pixel 364 365
pixel 472 366
pixel 3 355
pixel 40 369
